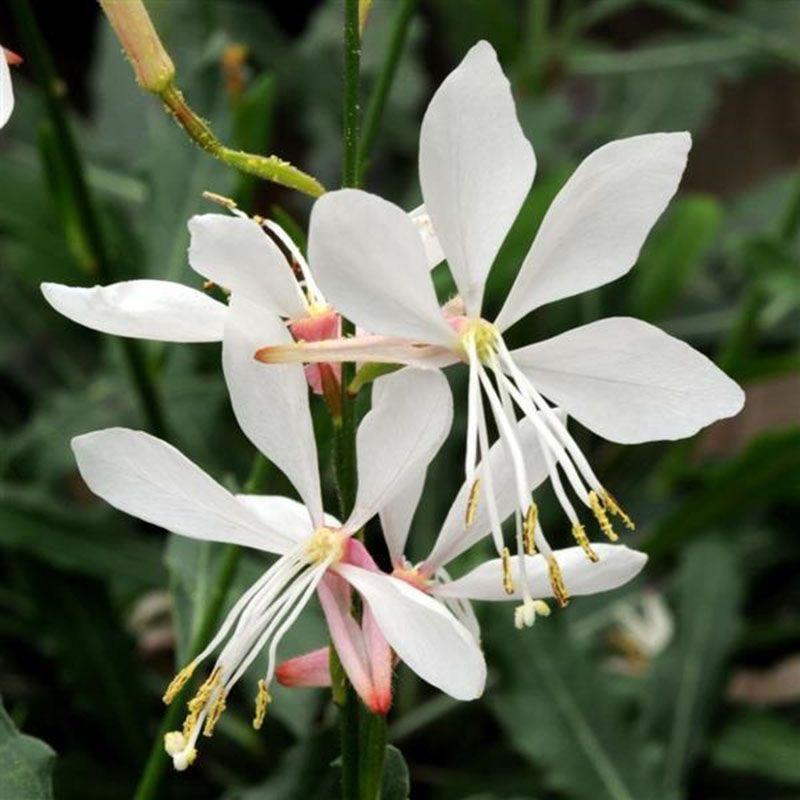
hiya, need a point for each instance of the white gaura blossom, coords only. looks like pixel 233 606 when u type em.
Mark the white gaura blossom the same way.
pixel 150 479
pixel 527 578
pixel 622 378
pixel 231 252
pixel 6 89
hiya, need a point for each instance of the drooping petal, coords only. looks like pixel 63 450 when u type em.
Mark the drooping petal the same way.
pixel 617 565
pixel 475 167
pixel 149 479
pixel 311 669
pixel 422 633
pixel 369 261
pixel 284 514
pixel 380 349
pixel 351 647
pixel 6 91
pixel 397 514
pixel 411 414
pixel 630 382
pixel 430 241
pixel 234 252
pixel 163 311
pixel 594 229
pixel 455 537
pixel 271 402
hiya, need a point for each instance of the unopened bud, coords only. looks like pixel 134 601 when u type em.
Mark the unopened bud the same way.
pixel 151 63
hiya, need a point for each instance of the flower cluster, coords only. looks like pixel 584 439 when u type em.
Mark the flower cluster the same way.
pixel 279 325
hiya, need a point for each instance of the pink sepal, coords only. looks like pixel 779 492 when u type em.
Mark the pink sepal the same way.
pixel 311 669
pixel 317 328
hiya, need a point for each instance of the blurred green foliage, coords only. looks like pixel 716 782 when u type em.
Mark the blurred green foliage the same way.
pixel 568 712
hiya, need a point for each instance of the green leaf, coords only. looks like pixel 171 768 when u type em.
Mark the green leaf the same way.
pixel 685 681
pixel 760 743
pixel 396 780
pixel 87 543
pixel 27 764
pixel 769 469
pixel 673 255
pixel 560 712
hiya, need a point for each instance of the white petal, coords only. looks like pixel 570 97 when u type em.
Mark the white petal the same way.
pixel 411 414
pixel 422 633
pixel 475 167
pixel 145 309
pixel 6 90
pixel 369 262
pixel 617 566
pixel 594 229
pixel 284 514
pixel 397 515
pixel 430 241
pixel 454 537
pixel 271 401
pixel 148 478
pixel 234 252
pixel 630 382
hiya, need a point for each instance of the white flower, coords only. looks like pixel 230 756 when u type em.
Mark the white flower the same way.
pixel 150 479
pixel 622 378
pixel 6 89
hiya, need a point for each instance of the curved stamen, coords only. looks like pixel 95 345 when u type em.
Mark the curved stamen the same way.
pixel 315 296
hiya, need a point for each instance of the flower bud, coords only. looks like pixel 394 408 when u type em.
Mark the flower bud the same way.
pixel 151 63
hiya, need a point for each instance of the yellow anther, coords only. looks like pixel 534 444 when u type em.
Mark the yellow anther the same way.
pixel 472 502
pixel 599 512
pixel 215 712
pixel 579 532
pixel 198 702
pixel 508 581
pixel 178 682
pixel 557 582
pixel 613 508
pixel 529 528
pixel 263 700
pixel 219 199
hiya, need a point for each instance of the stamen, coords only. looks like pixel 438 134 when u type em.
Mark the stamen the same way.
pixel 613 508
pixel 602 518
pixel 263 700
pixel 178 682
pixel 529 528
pixel 215 713
pixel 557 582
pixel 220 200
pixel 198 702
pixel 579 532
pixel 508 581
pixel 472 502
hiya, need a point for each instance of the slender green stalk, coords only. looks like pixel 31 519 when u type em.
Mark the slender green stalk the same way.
pixel 155 73
pixel 99 261
pixel 380 92
pixel 360 731
pixel 156 764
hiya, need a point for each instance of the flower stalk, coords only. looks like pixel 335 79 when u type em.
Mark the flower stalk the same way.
pixel 155 73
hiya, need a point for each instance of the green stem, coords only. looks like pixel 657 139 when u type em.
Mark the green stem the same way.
pixel 377 100
pixel 360 731
pixel 38 56
pixel 154 769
